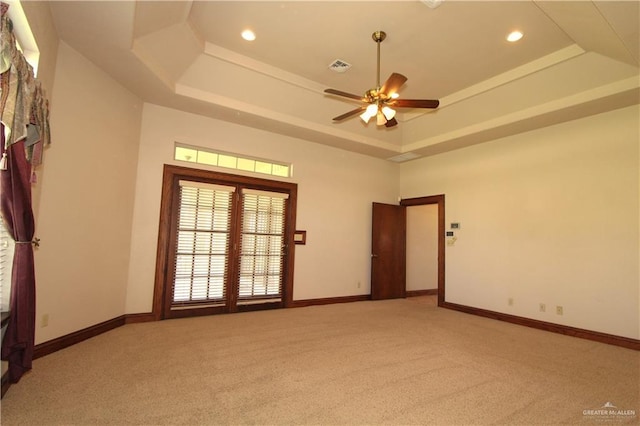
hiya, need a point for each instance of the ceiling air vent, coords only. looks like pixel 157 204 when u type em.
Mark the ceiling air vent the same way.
pixel 339 66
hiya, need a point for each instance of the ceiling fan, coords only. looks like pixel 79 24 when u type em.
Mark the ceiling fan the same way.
pixel 382 99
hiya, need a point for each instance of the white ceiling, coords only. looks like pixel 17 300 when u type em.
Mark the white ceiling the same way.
pixel 577 58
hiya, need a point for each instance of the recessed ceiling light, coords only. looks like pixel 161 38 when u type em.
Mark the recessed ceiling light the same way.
pixel 432 3
pixel 248 35
pixel 514 36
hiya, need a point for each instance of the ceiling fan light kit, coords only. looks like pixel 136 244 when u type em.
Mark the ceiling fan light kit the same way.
pixel 389 113
pixel 382 98
pixel 369 112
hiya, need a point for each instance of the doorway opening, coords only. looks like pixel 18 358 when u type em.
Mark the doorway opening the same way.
pixel 422 250
pixel 389 248
pixel 437 221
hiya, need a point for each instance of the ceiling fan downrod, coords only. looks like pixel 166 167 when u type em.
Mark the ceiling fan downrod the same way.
pixel 378 37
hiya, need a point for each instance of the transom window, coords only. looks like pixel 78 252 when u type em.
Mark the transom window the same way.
pixel 231 161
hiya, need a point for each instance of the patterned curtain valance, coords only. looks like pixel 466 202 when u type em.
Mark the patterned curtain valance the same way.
pixel 24 108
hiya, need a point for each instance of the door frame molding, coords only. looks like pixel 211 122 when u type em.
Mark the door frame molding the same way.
pixel 168 203
pixel 439 201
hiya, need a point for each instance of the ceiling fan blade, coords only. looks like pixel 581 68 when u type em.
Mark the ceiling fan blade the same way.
pixel 415 103
pixel 391 123
pixel 345 94
pixel 350 113
pixel 393 83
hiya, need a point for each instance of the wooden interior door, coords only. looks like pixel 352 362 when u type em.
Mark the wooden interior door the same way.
pixel 388 251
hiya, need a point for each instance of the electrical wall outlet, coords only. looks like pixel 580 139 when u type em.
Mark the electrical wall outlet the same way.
pixel 44 321
pixel 559 310
pixel 543 307
pixel 510 301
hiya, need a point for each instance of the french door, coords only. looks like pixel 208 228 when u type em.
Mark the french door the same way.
pixel 226 243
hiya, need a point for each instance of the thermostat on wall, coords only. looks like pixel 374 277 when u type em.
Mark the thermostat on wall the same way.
pixel 455 225
pixel 450 234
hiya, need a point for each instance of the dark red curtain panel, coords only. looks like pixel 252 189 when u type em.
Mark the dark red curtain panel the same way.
pixel 15 205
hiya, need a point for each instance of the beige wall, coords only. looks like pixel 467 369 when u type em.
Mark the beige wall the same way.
pixel 549 216
pixel 335 192
pixel 86 203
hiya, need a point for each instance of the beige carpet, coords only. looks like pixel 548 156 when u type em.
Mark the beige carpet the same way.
pixel 397 362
